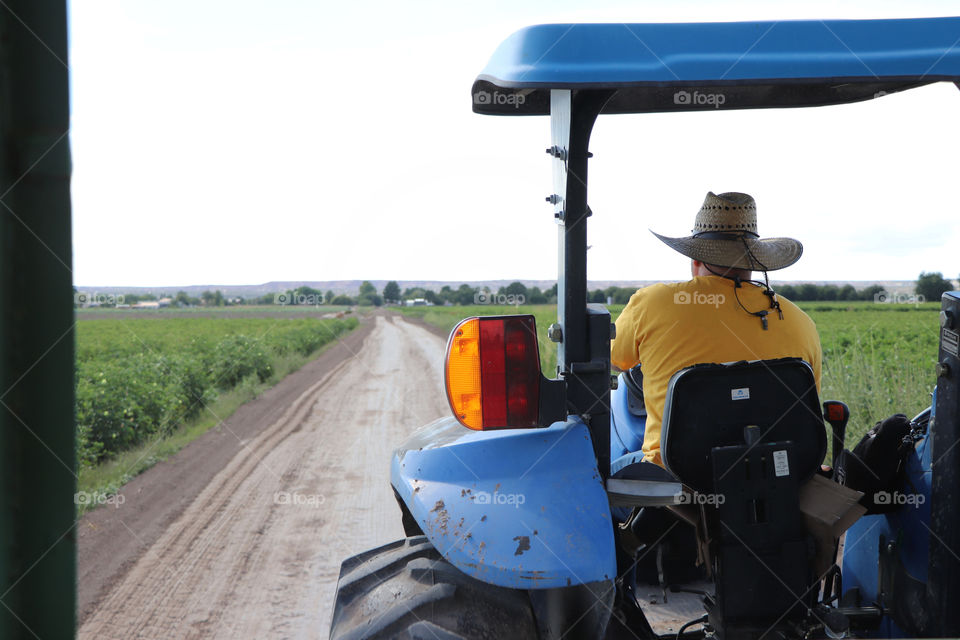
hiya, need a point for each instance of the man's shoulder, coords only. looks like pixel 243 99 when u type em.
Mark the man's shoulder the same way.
pixel 791 307
pixel 789 304
pixel 665 292
pixel 649 297
pixel 662 289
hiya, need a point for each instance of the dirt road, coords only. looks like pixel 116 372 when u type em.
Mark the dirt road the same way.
pixel 256 552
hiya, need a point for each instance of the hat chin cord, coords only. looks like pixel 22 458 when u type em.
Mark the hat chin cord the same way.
pixel 767 291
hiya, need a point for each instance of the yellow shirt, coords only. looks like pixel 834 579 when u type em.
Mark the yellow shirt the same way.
pixel 667 327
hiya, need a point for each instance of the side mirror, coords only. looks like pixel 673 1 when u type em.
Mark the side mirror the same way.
pixel 492 375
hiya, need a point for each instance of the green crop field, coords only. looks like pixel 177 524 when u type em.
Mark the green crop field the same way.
pixel 142 378
pixel 878 358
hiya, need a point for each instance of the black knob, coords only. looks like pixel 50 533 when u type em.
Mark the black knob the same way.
pixel 946 319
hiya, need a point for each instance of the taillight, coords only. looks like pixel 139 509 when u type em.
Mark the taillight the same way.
pixel 493 372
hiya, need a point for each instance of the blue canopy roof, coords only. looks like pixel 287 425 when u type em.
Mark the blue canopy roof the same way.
pixel 761 64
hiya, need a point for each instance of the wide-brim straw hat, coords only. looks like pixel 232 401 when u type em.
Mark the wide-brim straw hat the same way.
pixel 725 234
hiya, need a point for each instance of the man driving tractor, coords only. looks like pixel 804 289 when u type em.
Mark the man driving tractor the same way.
pixel 720 315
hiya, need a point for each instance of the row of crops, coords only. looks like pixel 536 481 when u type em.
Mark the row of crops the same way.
pixel 143 378
pixel 878 358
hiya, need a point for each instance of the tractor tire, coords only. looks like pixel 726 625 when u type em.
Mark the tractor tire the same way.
pixel 406 589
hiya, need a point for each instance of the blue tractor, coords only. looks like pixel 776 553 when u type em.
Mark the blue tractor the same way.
pixel 529 511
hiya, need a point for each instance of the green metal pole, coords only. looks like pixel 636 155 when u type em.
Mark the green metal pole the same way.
pixel 37 460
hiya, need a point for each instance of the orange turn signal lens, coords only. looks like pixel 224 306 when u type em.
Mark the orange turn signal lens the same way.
pixel 493 372
pixel 463 373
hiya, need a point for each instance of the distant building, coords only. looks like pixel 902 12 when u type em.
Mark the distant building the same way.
pixel 147 304
pixel 416 302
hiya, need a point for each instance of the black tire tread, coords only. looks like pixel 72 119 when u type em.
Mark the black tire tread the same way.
pixel 406 589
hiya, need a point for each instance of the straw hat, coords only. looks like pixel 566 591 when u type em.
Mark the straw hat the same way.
pixel 725 235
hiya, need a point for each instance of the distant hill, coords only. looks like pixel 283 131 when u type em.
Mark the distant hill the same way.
pixel 351 287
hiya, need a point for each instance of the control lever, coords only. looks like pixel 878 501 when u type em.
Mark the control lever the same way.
pixel 837 414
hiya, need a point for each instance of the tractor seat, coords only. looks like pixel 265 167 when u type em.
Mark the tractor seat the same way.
pixel 746 436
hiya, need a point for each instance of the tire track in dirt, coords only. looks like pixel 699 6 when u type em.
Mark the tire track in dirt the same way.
pixel 257 552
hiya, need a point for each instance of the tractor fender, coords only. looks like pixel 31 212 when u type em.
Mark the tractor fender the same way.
pixel 521 508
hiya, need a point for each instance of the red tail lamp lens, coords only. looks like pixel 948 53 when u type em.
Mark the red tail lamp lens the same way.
pixel 493 372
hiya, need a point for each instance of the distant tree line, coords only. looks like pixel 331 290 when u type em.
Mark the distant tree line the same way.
pixel 929 285
pixel 306 296
pixel 932 285
pixel 809 292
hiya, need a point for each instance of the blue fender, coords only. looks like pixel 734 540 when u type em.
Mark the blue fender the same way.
pixel 522 508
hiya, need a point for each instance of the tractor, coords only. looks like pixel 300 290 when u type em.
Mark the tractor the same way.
pixel 530 512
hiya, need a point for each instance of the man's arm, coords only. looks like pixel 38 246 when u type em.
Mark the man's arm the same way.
pixel 817 359
pixel 623 348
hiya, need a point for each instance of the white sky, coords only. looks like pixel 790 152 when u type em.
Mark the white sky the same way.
pixel 238 142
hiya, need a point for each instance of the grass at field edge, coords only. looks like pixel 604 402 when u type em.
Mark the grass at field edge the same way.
pixel 106 478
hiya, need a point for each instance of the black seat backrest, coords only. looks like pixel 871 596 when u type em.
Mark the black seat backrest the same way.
pixel 709 405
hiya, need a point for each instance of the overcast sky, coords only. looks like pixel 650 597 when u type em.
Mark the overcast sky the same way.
pixel 238 142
